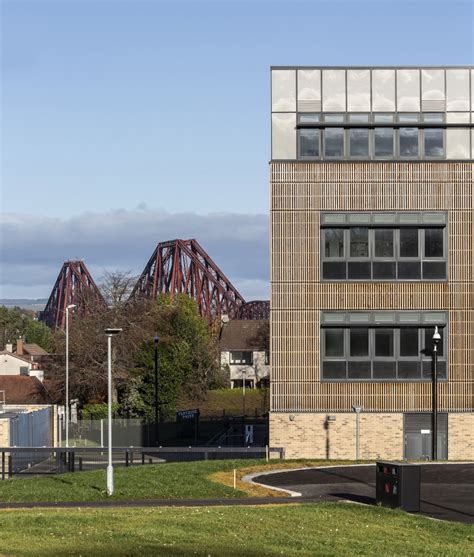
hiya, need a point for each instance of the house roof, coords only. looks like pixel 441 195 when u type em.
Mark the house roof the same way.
pixel 34 349
pixel 13 355
pixel 21 389
pixel 241 334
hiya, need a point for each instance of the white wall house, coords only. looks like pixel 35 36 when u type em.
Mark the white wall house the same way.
pixel 244 350
pixel 12 364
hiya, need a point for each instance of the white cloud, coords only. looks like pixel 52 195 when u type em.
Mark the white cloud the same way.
pixel 34 248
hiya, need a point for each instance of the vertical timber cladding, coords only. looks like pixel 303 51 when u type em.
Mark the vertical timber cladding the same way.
pixel 299 191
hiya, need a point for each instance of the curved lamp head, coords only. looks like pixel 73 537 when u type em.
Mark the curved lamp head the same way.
pixel 110 331
pixel 436 336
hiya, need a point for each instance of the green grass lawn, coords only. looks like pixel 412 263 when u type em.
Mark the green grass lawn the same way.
pixel 151 481
pixel 183 480
pixel 326 529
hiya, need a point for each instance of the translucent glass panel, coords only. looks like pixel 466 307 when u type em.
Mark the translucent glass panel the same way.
pixel 309 90
pixel 432 85
pixel 458 117
pixel 457 89
pixel 408 90
pixel 457 144
pixel 283 90
pixel 383 90
pixel 358 90
pixel 283 136
pixel 334 90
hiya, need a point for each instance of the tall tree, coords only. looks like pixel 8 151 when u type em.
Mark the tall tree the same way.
pixel 187 357
pixel 17 322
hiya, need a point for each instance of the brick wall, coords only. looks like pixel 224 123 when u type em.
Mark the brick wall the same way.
pixel 461 436
pixel 310 435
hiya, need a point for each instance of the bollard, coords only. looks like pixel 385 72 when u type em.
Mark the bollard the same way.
pixel 143 458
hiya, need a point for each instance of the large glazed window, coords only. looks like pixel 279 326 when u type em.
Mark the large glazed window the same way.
pixel 366 136
pixel 392 246
pixel 401 114
pixel 381 346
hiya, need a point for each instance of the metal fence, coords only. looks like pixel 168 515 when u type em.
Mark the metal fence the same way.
pixel 134 432
pixel 58 460
pixel 30 429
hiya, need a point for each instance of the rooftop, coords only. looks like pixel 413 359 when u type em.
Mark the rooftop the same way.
pixel 243 334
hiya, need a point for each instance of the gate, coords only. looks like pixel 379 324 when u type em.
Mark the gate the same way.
pixel 417 433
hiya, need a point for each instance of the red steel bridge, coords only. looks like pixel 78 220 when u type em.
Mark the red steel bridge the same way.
pixel 74 285
pixel 184 267
pixel 176 267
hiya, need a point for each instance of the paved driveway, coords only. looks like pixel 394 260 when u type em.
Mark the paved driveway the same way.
pixel 447 490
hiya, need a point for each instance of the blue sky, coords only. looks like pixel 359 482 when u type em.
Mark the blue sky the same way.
pixel 163 108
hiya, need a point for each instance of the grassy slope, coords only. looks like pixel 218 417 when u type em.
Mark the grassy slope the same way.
pixel 304 530
pixel 186 480
pixel 231 401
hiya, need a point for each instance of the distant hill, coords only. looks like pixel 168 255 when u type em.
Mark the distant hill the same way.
pixel 37 304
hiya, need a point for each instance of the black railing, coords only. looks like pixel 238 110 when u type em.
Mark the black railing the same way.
pixel 59 460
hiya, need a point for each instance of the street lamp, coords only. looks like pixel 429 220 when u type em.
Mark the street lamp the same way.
pixel 157 416
pixel 70 306
pixel 357 409
pixel 434 433
pixel 110 332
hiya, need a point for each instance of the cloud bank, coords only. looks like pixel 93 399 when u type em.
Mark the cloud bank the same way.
pixel 34 248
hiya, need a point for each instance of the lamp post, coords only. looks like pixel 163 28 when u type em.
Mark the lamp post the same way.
pixel 357 409
pixel 70 306
pixel 157 415
pixel 110 332
pixel 434 428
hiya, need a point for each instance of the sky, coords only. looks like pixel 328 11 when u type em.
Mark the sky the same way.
pixel 127 123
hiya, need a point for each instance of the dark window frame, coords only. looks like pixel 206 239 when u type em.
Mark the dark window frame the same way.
pixel 397 258
pixel 424 356
pixel 420 121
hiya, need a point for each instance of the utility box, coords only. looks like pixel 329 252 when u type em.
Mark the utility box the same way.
pixel 397 485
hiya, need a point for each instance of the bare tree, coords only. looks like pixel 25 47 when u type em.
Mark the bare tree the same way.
pixel 116 287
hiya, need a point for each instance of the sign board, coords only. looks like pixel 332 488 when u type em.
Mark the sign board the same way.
pixel 188 424
pixel 425 431
pixel 73 416
pixel 187 415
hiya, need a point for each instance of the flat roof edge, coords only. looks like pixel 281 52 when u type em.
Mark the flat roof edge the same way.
pixel 422 67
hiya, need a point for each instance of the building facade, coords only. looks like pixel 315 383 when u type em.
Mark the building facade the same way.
pixel 372 246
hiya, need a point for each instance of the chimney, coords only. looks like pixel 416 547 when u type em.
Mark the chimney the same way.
pixel 19 347
pixel 9 347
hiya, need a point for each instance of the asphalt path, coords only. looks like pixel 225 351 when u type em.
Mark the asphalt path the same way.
pixel 447 490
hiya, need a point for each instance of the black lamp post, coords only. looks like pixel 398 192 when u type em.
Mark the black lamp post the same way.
pixel 157 416
pixel 434 433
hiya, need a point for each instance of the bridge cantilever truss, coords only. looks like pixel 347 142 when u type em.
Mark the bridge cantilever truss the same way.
pixel 255 309
pixel 183 266
pixel 74 285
